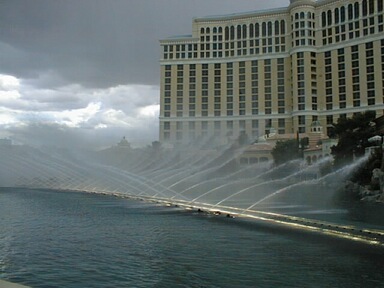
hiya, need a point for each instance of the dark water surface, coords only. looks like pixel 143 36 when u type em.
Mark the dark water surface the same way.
pixel 66 239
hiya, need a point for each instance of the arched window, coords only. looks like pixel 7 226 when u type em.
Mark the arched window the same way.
pixel 220 30
pixel 371 7
pixel 323 19
pixel 380 5
pixel 264 29
pixel 350 12
pixel 257 30
pixel 202 30
pixel 337 16
pixel 207 30
pixel 329 17
pixel 302 15
pixel 244 31
pixel 277 28
pixel 282 27
pixel 357 12
pixel 309 15
pixel 251 32
pixel 342 14
pixel 232 32
pixel 226 33
pixel 214 30
pixel 269 28
pixel 296 16
pixel 365 8
pixel 238 32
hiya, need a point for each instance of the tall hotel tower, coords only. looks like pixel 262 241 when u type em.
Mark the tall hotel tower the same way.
pixel 279 69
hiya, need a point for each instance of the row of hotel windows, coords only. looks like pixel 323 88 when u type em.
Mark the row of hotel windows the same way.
pixel 244 39
pixel 219 50
pixel 220 128
pixel 245 31
pixel 340 93
pixel 304 75
pixel 338 15
pixel 218 95
pixel 333 95
pixel 382 66
pixel 252 30
pixel 227 128
pixel 303 29
pixel 353 30
pixel 194 130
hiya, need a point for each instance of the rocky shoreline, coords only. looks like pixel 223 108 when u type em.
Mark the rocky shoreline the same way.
pixel 373 192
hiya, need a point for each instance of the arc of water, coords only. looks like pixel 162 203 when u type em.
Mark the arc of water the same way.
pixel 145 183
pixel 344 170
pixel 38 165
pixel 188 169
pixel 211 191
pixel 257 185
pixel 185 169
pixel 201 172
pixel 278 192
pixel 268 182
pixel 204 182
pixel 249 167
pixel 196 156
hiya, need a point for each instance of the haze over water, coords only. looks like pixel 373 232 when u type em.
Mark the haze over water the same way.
pixel 62 239
pixel 54 237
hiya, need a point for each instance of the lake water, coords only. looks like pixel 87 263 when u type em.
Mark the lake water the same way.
pixel 67 239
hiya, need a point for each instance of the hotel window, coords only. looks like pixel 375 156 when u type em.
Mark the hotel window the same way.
pixel 382 64
pixel 301 122
pixel 167 125
pixel 229 89
pixel 254 91
pixel 267 86
pixel 242 82
pixel 341 78
pixel 370 76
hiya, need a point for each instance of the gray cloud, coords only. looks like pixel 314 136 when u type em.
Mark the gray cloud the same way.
pixel 68 55
pixel 99 43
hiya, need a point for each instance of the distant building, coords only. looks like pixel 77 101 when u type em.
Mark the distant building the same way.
pixel 256 153
pixel 124 143
pixel 319 146
pixel 281 68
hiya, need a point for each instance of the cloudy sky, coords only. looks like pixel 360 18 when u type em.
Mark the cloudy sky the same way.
pixel 86 72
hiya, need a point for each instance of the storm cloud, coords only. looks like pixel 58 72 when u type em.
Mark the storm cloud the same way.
pixel 90 68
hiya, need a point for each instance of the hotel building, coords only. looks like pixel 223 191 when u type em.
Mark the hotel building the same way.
pixel 279 69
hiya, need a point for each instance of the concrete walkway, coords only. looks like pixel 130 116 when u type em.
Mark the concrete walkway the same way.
pixel 5 284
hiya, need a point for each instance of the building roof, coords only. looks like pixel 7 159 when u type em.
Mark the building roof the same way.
pixel 238 15
pixel 186 36
pixel 259 147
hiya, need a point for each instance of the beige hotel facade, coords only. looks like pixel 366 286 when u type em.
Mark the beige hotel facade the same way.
pixel 278 69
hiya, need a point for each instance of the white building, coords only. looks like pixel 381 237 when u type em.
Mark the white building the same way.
pixel 281 68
